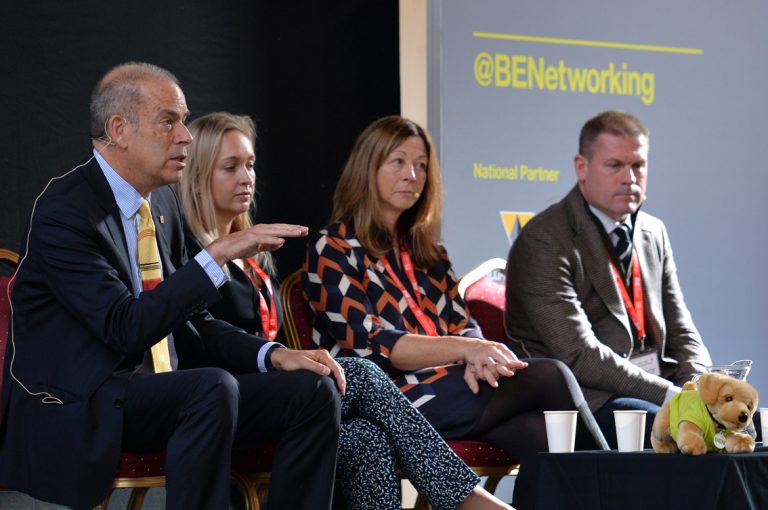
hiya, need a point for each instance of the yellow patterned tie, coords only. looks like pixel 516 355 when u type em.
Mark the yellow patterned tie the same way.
pixel 151 276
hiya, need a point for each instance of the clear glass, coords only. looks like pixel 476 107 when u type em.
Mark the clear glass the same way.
pixel 738 370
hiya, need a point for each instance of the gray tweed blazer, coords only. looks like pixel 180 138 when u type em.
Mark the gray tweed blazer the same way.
pixel 563 302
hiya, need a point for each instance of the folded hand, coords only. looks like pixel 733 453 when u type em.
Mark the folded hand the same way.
pixel 489 361
pixel 315 360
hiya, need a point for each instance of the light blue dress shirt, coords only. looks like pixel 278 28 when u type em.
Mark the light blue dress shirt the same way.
pixel 128 201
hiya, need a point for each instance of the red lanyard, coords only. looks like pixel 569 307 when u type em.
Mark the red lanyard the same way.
pixel 405 257
pixel 634 310
pixel 268 313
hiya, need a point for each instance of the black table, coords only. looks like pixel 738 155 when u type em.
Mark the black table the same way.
pixel 607 480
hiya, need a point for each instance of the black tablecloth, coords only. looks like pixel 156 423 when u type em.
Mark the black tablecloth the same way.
pixel 606 480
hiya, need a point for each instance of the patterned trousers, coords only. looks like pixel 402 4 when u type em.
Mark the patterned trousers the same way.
pixel 380 431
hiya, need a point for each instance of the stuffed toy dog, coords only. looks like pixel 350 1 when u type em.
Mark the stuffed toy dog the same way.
pixel 708 418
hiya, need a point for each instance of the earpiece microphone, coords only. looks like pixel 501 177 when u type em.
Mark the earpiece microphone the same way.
pixel 416 194
pixel 106 139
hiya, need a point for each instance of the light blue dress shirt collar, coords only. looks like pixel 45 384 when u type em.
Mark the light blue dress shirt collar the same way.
pixel 128 201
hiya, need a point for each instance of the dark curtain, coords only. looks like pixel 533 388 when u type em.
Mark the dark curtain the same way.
pixel 313 74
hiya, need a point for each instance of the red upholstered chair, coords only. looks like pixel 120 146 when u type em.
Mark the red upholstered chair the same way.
pixel 484 458
pixel 251 472
pixel 11 260
pixel 297 314
pixel 141 472
pixel 483 291
pixel 138 472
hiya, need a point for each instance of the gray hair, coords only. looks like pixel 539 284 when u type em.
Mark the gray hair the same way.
pixel 121 91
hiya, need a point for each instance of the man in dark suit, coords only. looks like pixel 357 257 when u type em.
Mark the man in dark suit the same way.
pixel 592 281
pixel 80 384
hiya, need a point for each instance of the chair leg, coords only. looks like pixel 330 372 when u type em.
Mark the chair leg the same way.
pixel 261 491
pixel 137 498
pixel 421 503
pixel 247 490
pixel 491 483
pixel 104 502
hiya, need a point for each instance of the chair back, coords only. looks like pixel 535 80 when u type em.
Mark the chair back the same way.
pixel 10 259
pixel 297 314
pixel 483 289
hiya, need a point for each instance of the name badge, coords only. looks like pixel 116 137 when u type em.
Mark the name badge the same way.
pixel 647 359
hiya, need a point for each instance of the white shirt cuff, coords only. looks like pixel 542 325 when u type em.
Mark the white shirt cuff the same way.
pixel 262 356
pixel 212 269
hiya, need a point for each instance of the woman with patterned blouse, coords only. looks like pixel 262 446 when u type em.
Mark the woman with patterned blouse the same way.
pixel 382 288
pixel 380 429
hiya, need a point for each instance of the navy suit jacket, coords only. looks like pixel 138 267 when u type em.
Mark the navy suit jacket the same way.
pixel 76 322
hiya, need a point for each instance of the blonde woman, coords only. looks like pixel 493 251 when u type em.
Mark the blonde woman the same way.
pixel 380 429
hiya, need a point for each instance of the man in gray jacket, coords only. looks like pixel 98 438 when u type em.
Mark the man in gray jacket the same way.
pixel 592 282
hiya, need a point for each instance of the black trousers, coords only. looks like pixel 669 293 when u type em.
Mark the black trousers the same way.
pixel 197 416
pixel 513 419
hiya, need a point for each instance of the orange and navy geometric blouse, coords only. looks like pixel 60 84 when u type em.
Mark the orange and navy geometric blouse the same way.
pixel 360 311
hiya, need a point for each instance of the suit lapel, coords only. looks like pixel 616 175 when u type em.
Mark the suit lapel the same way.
pixel 111 226
pixel 596 261
pixel 645 245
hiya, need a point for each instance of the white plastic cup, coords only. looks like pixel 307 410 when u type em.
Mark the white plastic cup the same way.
pixel 630 430
pixel 561 430
pixel 764 425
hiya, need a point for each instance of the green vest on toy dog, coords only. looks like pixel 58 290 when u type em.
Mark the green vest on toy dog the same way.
pixel 707 417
